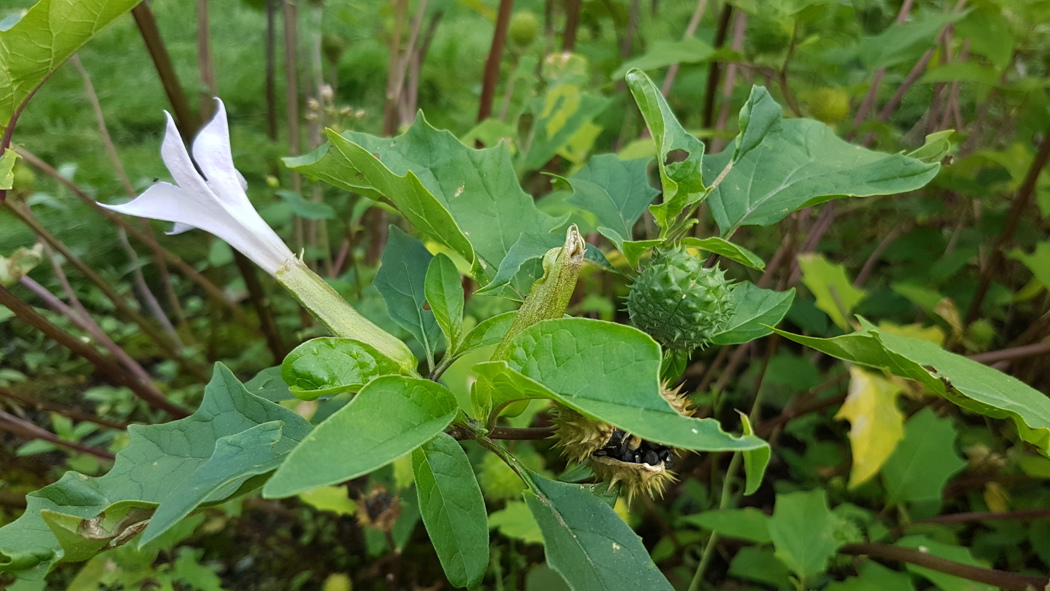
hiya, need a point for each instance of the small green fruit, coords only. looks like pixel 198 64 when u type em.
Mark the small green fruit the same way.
pixel 523 28
pixel 830 105
pixel 680 303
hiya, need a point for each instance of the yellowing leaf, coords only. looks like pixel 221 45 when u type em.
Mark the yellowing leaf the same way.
pixel 876 425
pixel 934 334
pixel 834 292
pixel 329 498
pixel 996 497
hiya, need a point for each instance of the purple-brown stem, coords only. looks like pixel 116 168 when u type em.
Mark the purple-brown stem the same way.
pixel 145 391
pixel 74 414
pixel 997 578
pixel 13 424
pixel 492 62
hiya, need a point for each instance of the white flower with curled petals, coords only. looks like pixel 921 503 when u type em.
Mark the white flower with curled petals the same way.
pixel 215 201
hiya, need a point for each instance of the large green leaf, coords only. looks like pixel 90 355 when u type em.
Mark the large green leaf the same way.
pixel 615 191
pixel 587 543
pixel 388 418
pixel 781 165
pixel 401 281
pixel 803 532
pixel 967 383
pixel 329 365
pixel 679 155
pixel 453 509
pixel 177 465
pixel 923 461
pixel 607 371
pixel 447 190
pixel 756 310
pixel 50 32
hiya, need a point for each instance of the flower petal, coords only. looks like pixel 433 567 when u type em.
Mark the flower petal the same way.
pixel 211 151
pixel 177 159
pixel 239 225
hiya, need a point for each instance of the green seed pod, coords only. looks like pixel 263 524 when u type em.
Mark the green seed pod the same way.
pixel 680 303
pixel 523 28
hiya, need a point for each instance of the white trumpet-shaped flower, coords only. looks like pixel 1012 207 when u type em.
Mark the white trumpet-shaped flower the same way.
pixel 214 201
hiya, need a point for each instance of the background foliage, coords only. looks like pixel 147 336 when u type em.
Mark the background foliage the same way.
pixel 866 466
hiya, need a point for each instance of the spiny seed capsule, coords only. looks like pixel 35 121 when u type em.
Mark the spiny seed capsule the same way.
pixel 615 455
pixel 680 303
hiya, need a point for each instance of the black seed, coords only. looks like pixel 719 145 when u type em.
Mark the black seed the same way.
pixel 665 454
pixel 629 457
pixel 652 458
pixel 601 453
pixel 668 462
pixel 615 438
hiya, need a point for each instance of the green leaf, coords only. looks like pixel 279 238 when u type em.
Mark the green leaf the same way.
pixel 634 249
pixel 7 168
pixel 607 371
pixel 269 384
pixel 781 165
pixel 726 249
pixel 310 210
pixel 755 563
pixel 453 509
pixel 747 524
pixel 447 190
pixel 755 460
pixel 834 292
pixel 444 292
pixel 872 576
pixel 935 148
pixel 587 543
pixel 488 332
pixel 969 384
pixel 802 529
pixel 329 365
pixel 679 155
pixel 177 465
pixel 401 281
pixel 615 191
pixel 756 310
pixel 558 115
pixel 50 32
pixel 664 53
pixel 515 522
pixel 1038 262
pixel 904 42
pixel 255 451
pixel 923 461
pixel 389 417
